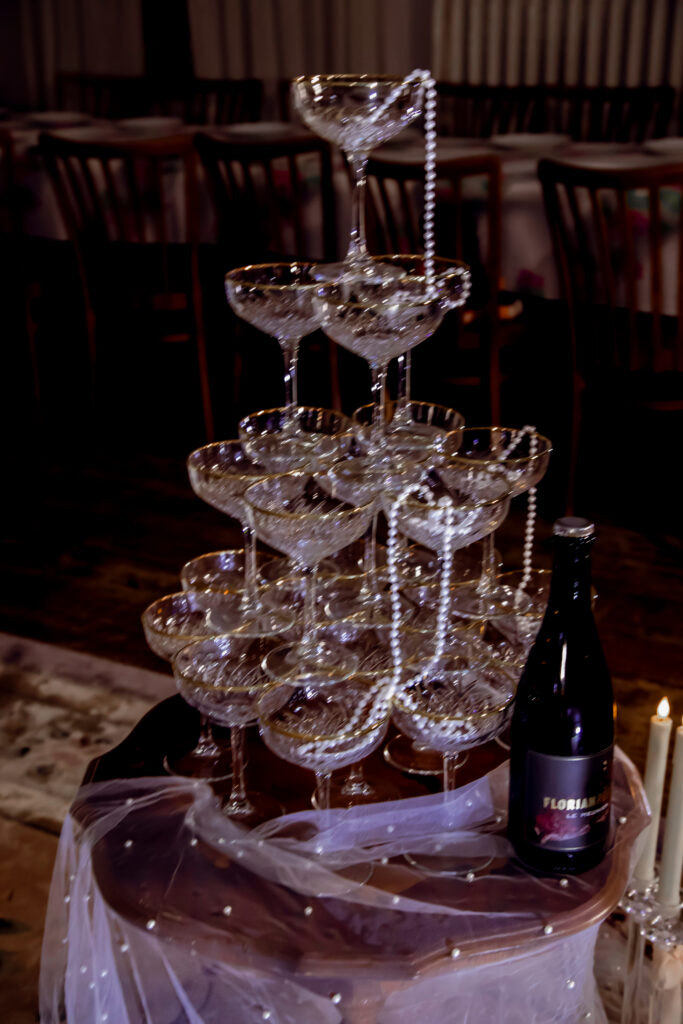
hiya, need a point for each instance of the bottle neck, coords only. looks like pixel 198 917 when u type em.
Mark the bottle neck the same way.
pixel 570 585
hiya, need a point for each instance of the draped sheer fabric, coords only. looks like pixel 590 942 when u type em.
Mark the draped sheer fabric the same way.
pixel 163 910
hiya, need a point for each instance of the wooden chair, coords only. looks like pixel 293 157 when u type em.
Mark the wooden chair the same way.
pixel 130 208
pixel 273 201
pixel 618 240
pixel 211 101
pixel 106 96
pixel 468 193
pixel 588 113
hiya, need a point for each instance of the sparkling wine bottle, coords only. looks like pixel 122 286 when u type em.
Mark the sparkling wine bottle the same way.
pixel 562 732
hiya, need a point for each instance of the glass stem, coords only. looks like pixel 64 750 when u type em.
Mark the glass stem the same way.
pixel 322 790
pixel 404 369
pixel 379 397
pixel 355 784
pixel 206 745
pixel 290 355
pixel 368 590
pixel 310 574
pixel 451 762
pixel 358 249
pixel 488 565
pixel 250 600
pixel 238 793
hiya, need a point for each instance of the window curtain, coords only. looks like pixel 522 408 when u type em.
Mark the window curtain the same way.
pixel 40 37
pixel 572 42
pixel 277 39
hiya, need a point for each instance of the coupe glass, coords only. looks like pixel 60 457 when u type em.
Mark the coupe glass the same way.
pixel 277 298
pixel 170 623
pixel 356 113
pixel 422 517
pixel 420 434
pixel 220 572
pixel 380 320
pixel 222 678
pixel 492 463
pixel 322 437
pixel 360 479
pixel 295 515
pixel 314 726
pixel 220 473
pixel 453 708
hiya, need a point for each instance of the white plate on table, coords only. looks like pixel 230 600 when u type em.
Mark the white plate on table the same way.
pixel 531 142
pixel 672 146
pixel 53 119
pixel 89 132
pixel 446 149
pixel 261 130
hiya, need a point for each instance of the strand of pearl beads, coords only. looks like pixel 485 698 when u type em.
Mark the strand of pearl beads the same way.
pixel 420 75
pixel 376 707
pixel 530 524
pixel 443 611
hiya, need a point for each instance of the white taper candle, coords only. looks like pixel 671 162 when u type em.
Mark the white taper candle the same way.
pixel 655 772
pixel 672 850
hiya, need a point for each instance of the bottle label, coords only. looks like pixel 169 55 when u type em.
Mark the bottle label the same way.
pixel 567 800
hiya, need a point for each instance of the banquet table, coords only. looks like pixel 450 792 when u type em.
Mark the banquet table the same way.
pixel 528 266
pixel 162 909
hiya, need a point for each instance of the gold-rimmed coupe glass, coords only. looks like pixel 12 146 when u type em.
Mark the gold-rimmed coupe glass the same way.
pixel 294 514
pixel 380 320
pixel 313 726
pixel 222 677
pixel 491 463
pixel 452 707
pixel 220 473
pixel 277 298
pixel 356 113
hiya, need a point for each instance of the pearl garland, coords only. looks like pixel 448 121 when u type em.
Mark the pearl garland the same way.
pixel 429 86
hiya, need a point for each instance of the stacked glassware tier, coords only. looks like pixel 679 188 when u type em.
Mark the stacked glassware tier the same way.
pixel 321 636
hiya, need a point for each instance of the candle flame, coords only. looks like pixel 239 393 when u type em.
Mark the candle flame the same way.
pixel 663 708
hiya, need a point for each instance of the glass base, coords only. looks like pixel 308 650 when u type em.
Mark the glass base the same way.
pixel 368 613
pixel 257 808
pixel 323 661
pixel 471 601
pixel 402 753
pixel 346 791
pixel 449 864
pixel 212 763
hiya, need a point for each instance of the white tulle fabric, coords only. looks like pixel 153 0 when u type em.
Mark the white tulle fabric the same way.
pixel 163 911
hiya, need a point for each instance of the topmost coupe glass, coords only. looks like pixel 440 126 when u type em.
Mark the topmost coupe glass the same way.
pixel 358 113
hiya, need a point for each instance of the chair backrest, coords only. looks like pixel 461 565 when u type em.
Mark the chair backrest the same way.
pixel 600 113
pixel 132 190
pixel 107 96
pixel 211 101
pixel 272 199
pixel 468 223
pixel 618 239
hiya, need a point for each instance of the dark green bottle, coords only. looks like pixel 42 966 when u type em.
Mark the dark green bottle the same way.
pixel 562 732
